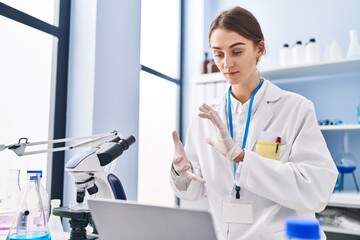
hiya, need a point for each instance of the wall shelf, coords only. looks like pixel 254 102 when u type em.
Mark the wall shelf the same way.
pixel 340 127
pixel 345 199
pixel 282 73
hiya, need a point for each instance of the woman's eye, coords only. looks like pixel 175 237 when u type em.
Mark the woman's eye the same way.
pixel 217 55
pixel 237 52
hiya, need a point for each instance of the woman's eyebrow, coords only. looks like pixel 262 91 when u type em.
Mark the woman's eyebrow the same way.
pixel 231 46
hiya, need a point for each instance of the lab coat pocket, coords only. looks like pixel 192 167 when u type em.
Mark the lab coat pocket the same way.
pixel 269 150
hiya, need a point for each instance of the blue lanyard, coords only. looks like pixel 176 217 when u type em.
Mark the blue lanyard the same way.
pixel 237 188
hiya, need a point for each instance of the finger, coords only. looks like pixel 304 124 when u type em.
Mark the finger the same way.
pixel 203 109
pixel 207 107
pixel 204 115
pixel 217 120
pixel 179 147
pixel 210 142
pixel 178 159
pixel 196 178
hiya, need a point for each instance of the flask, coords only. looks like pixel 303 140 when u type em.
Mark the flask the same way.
pixel 205 64
pixel 31 219
pixel 298 54
pixel 55 226
pixel 354 47
pixel 312 52
pixel 285 56
pixel 8 204
pixel 302 228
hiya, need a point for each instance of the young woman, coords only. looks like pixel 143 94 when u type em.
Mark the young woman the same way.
pixel 256 152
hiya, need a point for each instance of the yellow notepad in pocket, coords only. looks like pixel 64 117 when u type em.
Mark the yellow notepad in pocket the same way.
pixel 269 150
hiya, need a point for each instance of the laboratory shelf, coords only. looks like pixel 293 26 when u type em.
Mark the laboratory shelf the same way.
pixel 287 73
pixel 345 199
pixel 340 127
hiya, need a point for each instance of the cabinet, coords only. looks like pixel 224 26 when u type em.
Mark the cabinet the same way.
pixel 207 86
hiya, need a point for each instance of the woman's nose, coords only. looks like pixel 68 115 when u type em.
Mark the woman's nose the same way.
pixel 228 62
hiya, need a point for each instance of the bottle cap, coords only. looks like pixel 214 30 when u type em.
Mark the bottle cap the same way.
pixel 312 40
pixel 35 171
pixel 298 42
pixel 286 45
pixel 303 228
pixel 55 202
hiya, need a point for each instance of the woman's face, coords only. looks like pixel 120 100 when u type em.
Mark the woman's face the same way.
pixel 235 55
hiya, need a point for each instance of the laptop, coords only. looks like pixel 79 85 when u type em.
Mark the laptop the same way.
pixel 119 219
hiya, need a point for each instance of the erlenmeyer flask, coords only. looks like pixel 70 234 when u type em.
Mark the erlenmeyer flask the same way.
pixel 31 219
pixel 8 204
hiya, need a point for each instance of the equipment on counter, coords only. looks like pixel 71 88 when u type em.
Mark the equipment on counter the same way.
pixel 89 170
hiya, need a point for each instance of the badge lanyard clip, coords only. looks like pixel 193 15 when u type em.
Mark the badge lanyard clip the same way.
pixel 238 188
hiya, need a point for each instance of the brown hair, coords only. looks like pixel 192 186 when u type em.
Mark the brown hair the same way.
pixel 239 20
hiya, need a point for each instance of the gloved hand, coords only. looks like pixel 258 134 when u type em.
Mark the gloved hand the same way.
pixel 224 143
pixel 181 164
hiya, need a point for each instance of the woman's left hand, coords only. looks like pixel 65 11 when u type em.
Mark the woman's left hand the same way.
pixel 224 143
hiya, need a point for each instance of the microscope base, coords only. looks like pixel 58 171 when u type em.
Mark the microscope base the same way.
pixel 79 219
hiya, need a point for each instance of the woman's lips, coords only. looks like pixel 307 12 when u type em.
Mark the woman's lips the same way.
pixel 231 73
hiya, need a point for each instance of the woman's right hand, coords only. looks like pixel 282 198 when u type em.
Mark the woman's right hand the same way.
pixel 181 164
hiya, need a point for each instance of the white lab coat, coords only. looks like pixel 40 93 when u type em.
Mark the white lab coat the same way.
pixel 299 184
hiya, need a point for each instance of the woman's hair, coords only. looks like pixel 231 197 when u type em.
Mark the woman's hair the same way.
pixel 239 20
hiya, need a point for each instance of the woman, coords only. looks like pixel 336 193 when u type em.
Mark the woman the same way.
pixel 257 151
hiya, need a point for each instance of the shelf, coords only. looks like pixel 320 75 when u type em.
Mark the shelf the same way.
pixel 281 73
pixel 340 127
pixel 333 229
pixel 345 199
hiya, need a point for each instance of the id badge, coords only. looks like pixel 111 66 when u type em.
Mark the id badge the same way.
pixel 237 211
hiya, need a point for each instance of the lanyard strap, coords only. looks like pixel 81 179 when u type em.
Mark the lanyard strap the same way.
pixel 237 188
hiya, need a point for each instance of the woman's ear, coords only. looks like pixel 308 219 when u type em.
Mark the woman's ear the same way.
pixel 260 49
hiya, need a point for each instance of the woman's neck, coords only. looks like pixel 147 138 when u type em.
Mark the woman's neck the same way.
pixel 242 92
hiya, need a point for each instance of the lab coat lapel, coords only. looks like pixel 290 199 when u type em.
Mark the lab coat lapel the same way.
pixel 261 118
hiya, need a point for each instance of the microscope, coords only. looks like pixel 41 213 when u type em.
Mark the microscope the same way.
pixel 88 169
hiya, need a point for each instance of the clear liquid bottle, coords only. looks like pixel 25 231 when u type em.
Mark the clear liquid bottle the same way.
pixel 8 204
pixel 302 228
pixel 55 226
pixel 31 219
pixel 204 65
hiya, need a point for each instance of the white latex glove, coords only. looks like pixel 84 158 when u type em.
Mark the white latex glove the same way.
pixel 224 143
pixel 181 164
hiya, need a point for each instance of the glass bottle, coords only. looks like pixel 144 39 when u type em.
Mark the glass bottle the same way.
pixel 204 67
pixel 8 204
pixel 31 219
pixel 55 226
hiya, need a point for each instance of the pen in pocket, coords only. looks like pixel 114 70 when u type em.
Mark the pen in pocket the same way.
pixel 278 141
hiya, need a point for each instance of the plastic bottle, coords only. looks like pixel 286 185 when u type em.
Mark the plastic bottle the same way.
pixel 298 54
pixel 204 67
pixel 31 219
pixel 302 228
pixel 55 226
pixel 312 52
pixel 354 47
pixel 285 56
pixel 8 205
pixel 335 51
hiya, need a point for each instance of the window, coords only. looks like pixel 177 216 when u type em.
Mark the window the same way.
pixel 33 79
pixel 160 98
